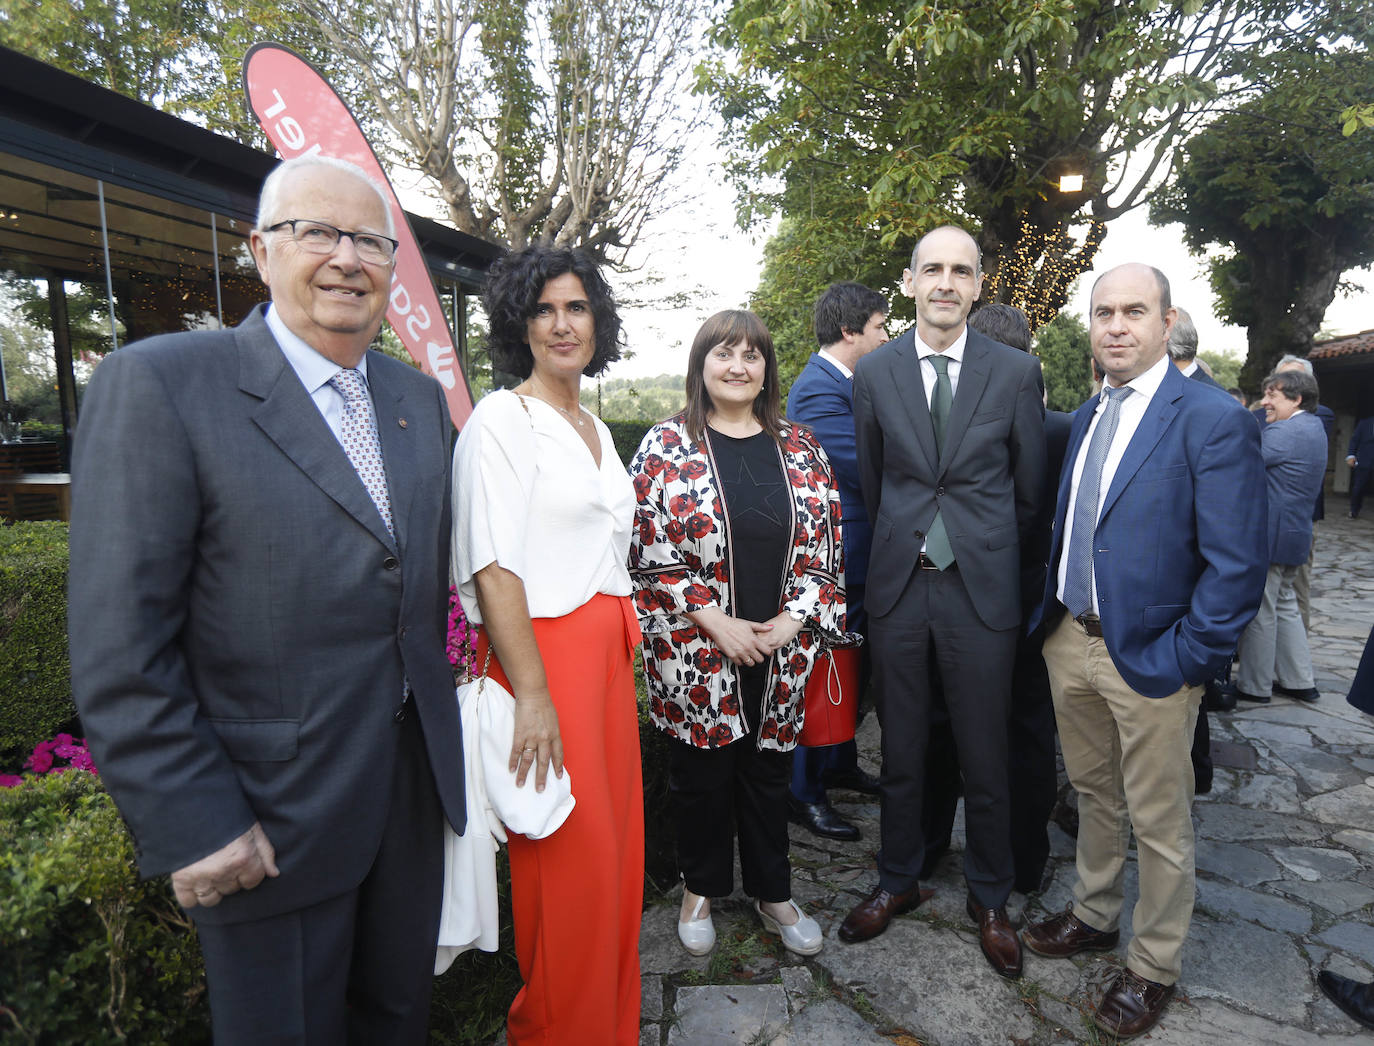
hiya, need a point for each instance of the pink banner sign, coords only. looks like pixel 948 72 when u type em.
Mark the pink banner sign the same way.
pixel 302 114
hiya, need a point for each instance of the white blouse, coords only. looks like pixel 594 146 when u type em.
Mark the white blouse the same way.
pixel 528 496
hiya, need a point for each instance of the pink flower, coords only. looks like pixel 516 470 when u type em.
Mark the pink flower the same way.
pixel 10 781
pixel 40 762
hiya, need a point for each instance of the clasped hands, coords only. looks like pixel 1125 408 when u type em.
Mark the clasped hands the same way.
pixel 746 642
pixel 241 865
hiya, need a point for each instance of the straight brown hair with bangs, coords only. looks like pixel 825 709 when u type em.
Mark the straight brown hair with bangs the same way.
pixel 730 328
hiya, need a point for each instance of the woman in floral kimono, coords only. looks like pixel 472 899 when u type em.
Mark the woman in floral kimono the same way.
pixel 736 562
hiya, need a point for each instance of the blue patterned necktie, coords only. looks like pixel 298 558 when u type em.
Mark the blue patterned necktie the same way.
pixel 938 549
pixel 358 434
pixel 1078 575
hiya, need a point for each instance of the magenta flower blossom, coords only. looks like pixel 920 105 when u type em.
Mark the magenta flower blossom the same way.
pixel 462 638
pixel 44 759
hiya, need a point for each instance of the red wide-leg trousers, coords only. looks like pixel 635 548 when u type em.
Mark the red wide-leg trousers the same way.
pixel 578 894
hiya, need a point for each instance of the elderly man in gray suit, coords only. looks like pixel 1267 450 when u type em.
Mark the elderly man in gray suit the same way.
pixel 259 557
pixel 951 450
pixel 1273 648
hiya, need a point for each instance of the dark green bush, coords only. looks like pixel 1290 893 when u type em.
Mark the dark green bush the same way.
pixel 35 675
pixel 40 430
pixel 627 436
pixel 91 954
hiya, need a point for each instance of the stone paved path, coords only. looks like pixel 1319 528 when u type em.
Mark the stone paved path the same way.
pixel 1285 862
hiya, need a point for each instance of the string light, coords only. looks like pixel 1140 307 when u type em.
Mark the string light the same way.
pixel 1041 266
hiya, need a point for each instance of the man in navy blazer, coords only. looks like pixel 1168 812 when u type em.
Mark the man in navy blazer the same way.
pixel 849 323
pixel 1160 555
pixel 1360 457
pixel 257 618
pixel 1273 648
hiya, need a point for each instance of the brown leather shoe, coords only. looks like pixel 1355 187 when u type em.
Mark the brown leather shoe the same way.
pixel 1132 1005
pixel 871 915
pixel 1066 934
pixel 1001 946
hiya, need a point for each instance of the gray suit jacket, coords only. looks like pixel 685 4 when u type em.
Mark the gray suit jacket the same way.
pixel 987 481
pixel 241 622
pixel 1294 467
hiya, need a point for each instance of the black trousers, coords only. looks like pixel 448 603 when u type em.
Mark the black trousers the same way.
pixel 357 968
pixel 1031 770
pixel 934 624
pixel 1359 483
pixel 718 791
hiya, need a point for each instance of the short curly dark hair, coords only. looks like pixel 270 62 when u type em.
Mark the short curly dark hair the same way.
pixel 514 283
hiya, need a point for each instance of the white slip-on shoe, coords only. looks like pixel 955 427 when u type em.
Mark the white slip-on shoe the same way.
pixel 697 935
pixel 803 937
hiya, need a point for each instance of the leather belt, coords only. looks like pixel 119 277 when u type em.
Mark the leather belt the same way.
pixel 924 562
pixel 1092 624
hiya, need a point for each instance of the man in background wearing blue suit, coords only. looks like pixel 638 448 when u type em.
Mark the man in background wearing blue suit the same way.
pixel 1158 563
pixel 849 322
pixel 1273 648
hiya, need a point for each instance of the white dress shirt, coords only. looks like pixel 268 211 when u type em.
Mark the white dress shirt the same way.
pixel 955 355
pixel 1133 407
pixel 835 363
pixel 314 371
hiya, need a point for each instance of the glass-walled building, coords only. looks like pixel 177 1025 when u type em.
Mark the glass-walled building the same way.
pixel 118 221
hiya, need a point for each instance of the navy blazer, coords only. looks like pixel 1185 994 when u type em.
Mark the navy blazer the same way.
pixel 1181 551
pixel 823 399
pixel 1294 466
pixel 1362 444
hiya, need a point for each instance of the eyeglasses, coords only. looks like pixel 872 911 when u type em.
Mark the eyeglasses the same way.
pixel 319 238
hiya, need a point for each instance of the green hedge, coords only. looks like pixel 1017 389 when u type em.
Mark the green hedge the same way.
pixel 627 436
pixel 91 955
pixel 40 430
pixel 35 674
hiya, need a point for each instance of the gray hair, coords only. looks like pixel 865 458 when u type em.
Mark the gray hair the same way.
pixel 1289 358
pixel 1183 338
pixel 275 183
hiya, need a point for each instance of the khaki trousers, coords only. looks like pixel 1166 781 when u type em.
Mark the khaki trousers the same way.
pixel 1128 758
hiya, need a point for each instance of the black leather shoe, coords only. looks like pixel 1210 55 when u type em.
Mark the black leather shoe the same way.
pixel 1307 693
pixel 1218 698
pixel 856 780
pixel 1259 699
pixel 821 819
pixel 1356 1000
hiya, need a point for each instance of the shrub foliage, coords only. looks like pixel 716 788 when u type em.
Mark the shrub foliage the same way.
pixel 35 674
pixel 92 955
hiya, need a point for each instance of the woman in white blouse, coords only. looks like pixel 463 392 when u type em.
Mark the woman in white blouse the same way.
pixel 541 529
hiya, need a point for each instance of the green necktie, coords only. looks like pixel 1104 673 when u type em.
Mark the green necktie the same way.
pixel 938 549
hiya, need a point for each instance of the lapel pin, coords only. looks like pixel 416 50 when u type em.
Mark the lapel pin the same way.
pixel 401 422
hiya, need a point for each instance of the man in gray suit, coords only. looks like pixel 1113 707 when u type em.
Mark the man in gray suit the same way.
pixel 1273 648
pixel 951 451
pixel 259 539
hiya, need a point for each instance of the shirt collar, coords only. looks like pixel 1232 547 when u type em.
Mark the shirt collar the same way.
pixel 955 352
pixel 1147 384
pixel 835 363
pixel 1188 371
pixel 310 366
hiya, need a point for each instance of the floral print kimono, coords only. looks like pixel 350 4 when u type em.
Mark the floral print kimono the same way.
pixel 680 561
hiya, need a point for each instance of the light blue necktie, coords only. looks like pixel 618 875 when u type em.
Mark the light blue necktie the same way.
pixel 938 549
pixel 1078 575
